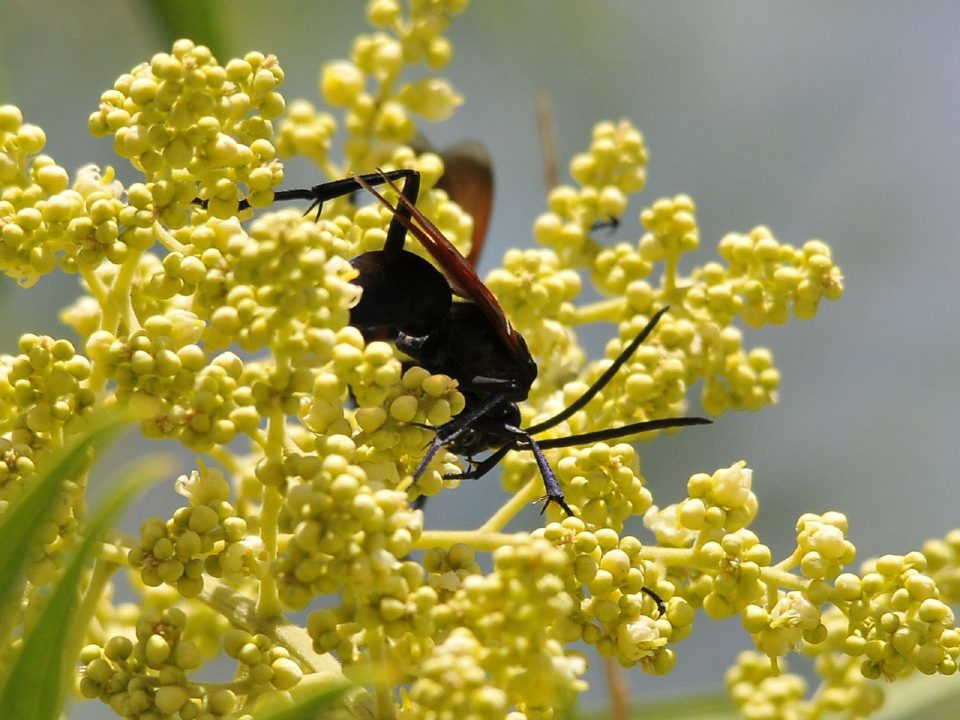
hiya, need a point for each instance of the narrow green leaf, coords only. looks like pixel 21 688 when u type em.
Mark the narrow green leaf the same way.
pixel 921 697
pixel 710 705
pixel 199 20
pixel 25 516
pixel 308 703
pixel 39 677
pixel 702 706
pixel 3 100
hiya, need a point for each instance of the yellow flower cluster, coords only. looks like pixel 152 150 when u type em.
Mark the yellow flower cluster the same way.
pixel 205 538
pixel 347 532
pixel 897 620
pixel 508 621
pixel 887 622
pixel 148 677
pixel 612 169
pixel 539 291
pixel 378 104
pixel 619 594
pixel 182 119
pixel 44 220
pixel 43 399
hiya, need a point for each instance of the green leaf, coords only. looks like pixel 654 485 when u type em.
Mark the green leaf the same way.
pixel 921 697
pixel 199 20
pixel 703 706
pixel 37 680
pixel 308 704
pixel 25 516
pixel 3 97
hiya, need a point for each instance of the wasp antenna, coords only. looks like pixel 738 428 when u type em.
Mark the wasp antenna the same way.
pixel 602 381
pixel 623 431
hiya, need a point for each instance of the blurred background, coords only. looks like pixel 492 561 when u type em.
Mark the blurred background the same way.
pixel 837 122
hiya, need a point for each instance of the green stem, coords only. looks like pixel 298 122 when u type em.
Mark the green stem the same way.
pixel 783 579
pixel 686 558
pixel 226 458
pixel 99 579
pixel 791 561
pixel 201 688
pixel 113 553
pixel 330 169
pixel 268 603
pixel 386 708
pixel 671 557
pixel 480 540
pixel 600 311
pixel 117 307
pixel 669 276
pixel 96 286
pixel 509 510
pixel 169 241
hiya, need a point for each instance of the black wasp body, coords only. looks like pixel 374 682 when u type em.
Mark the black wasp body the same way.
pixel 469 339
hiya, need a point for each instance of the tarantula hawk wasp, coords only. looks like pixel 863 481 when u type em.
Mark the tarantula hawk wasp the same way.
pixel 471 340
